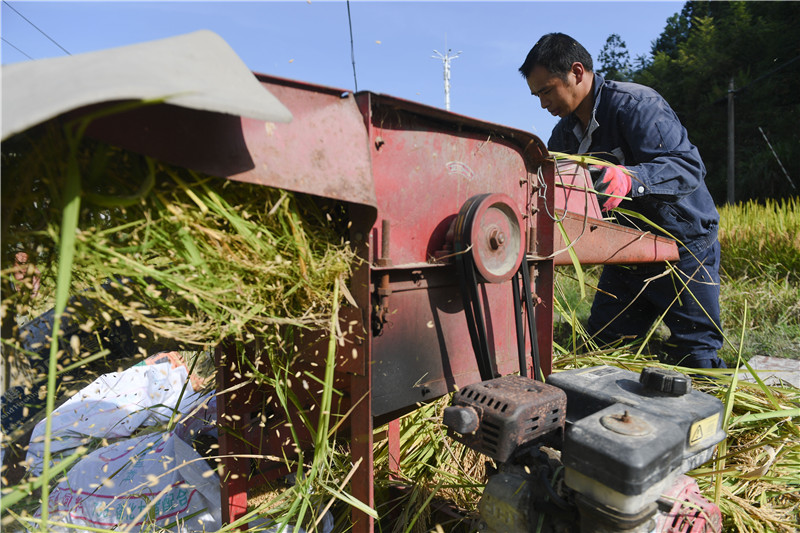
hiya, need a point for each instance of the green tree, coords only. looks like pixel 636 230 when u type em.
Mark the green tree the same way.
pixel 674 33
pixel 691 64
pixel 614 59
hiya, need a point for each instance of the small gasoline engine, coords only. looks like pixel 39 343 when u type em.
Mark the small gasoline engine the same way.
pixel 592 450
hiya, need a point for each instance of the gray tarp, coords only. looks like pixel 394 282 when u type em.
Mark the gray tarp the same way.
pixel 197 70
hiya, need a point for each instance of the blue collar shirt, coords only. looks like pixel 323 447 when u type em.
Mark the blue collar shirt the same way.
pixel 632 125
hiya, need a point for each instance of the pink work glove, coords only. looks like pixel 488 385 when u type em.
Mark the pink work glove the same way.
pixel 610 181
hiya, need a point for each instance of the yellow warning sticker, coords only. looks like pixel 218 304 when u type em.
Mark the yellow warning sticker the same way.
pixel 703 429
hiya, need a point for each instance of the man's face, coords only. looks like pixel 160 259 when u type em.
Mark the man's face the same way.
pixel 560 97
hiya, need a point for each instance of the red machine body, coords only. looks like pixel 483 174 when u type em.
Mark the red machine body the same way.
pixel 403 171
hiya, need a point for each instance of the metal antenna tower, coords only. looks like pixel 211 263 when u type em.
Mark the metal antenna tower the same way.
pixel 446 58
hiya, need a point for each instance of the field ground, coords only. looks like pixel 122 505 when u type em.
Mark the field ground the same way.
pixel 773 315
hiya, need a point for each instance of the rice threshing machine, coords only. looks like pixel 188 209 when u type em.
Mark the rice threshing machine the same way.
pixel 459 224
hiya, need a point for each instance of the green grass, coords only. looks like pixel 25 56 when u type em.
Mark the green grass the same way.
pixel 772 323
pixel 760 311
pixel 761 240
pixel 773 318
pixel 756 477
pixel 762 273
pixel 761 267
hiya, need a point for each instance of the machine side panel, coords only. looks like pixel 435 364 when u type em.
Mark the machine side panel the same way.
pixel 424 351
pixel 323 151
pixel 424 173
pixel 424 170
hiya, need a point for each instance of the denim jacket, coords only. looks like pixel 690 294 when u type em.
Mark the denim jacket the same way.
pixel 632 125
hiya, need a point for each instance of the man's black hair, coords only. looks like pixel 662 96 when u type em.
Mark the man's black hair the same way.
pixel 556 52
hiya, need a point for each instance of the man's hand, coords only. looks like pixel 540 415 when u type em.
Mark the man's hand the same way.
pixel 610 181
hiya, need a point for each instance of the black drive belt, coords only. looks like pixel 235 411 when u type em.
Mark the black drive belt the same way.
pixel 473 309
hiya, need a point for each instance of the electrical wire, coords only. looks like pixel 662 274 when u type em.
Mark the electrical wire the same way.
pixel 15 48
pixel 767 74
pixel 37 27
pixel 352 48
pixel 763 76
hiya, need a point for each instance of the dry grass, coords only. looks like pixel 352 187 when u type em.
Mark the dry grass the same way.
pixel 189 259
pixel 199 259
pixel 761 239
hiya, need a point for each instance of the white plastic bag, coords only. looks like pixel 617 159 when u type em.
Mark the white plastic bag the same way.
pixel 154 479
pixel 114 406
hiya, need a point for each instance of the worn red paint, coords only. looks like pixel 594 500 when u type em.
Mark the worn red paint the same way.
pixel 408 167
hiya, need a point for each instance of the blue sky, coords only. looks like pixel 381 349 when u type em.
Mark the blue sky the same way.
pixel 394 41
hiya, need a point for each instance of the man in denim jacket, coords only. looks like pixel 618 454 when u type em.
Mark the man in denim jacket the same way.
pixel 632 125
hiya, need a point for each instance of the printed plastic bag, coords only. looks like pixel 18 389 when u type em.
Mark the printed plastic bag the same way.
pixel 136 484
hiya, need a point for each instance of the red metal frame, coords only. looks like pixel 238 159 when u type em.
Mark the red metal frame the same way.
pixel 596 241
pixel 407 169
pixel 423 165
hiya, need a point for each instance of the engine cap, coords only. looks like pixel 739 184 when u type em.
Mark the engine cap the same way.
pixel 666 381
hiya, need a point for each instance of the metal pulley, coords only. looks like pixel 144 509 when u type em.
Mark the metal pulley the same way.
pixel 489 227
pixel 489 247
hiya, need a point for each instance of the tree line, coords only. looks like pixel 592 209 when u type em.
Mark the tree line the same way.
pixel 692 62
